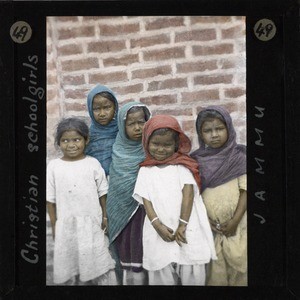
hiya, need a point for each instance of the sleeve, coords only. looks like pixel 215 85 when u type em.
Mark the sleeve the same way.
pixel 242 181
pixel 100 178
pixel 50 184
pixel 186 177
pixel 141 187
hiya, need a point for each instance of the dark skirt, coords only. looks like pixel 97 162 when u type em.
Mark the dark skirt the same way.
pixel 129 242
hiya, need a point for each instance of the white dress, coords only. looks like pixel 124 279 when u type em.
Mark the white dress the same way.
pixel 81 246
pixel 162 185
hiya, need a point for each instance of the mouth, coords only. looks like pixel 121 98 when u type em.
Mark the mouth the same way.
pixel 102 120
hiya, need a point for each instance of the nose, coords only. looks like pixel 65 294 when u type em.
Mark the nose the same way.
pixel 214 133
pixel 71 145
pixel 101 112
pixel 137 127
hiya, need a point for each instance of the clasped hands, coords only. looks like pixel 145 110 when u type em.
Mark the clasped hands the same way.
pixel 168 234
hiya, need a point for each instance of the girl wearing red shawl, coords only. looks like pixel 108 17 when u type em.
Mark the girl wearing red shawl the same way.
pixel 177 239
pixel 222 165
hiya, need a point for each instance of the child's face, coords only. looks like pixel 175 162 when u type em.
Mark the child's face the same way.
pixel 103 110
pixel 162 146
pixel 214 133
pixel 134 125
pixel 72 144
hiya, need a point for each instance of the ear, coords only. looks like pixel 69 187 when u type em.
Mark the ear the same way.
pixel 87 140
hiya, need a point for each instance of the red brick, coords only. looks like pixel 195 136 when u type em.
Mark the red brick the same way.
pixel 164 22
pixel 163 54
pixel 204 19
pixel 197 66
pixel 124 29
pixel 121 61
pixel 211 50
pixel 105 46
pixel 75 107
pixel 167 84
pixel 152 72
pixel 66 19
pixel 107 78
pixel 233 32
pixel 188 125
pixel 213 79
pixel 70 49
pixel 176 112
pixel 234 92
pixel 76 93
pixel 150 41
pixel 227 64
pixel 49 49
pixel 52 108
pixel 73 79
pixel 196 35
pixel 128 89
pixel 231 107
pixel 99 18
pixel 82 64
pixel 51 94
pixel 200 95
pixel 51 65
pixel 70 33
pixel 51 79
pixel 159 100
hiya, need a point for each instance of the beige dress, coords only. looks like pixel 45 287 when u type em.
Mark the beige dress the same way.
pixel 231 267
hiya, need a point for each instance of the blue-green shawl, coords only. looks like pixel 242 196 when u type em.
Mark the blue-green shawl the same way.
pixel 102 137
pixel 126 157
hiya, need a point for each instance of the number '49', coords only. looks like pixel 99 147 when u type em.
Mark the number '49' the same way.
pixel 261 30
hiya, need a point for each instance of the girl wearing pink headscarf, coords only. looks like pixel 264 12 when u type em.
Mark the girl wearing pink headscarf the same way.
pixel 177 239
pixel 222 165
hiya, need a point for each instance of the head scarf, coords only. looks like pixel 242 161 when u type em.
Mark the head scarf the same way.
pixel 102 137
pixel 218 166
pixel 180 157
pixel 126 157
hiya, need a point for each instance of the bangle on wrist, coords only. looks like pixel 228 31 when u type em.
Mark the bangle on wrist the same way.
pixel 183 221
pixel 154 219
pixel 105 218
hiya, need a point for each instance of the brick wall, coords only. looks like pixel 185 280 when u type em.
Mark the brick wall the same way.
pixel 175 64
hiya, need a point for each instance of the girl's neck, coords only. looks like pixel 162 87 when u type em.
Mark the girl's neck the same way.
pixel 73 160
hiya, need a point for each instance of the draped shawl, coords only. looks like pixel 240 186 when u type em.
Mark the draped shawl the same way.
pixel 102 137
pixel 218 166
pixel 126 157
pixel 180 157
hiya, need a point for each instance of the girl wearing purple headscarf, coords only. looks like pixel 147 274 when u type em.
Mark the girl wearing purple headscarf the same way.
pixel 222 167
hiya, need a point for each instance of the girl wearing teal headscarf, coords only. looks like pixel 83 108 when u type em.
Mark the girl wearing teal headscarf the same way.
pixel 125 216
pixel 103 108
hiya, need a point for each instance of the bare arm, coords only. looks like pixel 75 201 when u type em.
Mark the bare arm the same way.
pixel 102 201
pixel 52 214
pixel 164 231
pixel 229 228
pixel 185 213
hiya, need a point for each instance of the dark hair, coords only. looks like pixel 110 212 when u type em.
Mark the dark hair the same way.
pixel 206 115
pixel 71 124
pixel 163 131
pixel 107 95
pixel 136 108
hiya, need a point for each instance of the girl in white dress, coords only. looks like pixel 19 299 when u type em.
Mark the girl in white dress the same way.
pixel 177 239
pixel 76 202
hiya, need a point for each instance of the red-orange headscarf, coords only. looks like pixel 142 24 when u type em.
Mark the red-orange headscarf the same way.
pixel 180 157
